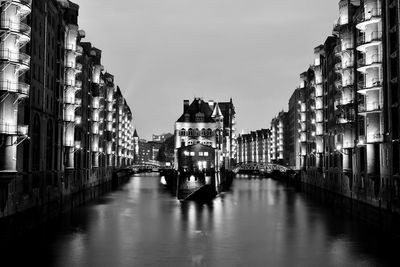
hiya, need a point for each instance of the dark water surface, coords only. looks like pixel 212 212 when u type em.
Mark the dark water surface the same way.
pixel 259 223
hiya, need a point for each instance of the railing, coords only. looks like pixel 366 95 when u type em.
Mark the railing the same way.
pixel 78 102
pixel 70 64
pixel 368 38
pixel 367 61
pixel 337 49
pixel 374 138
pixel 13 129
pixel 70 47
pixel 69 100
pixel 366 16
pixel 374 83
pixel 18 27
pixel 27 3
pixel 19 87
pixel 78 66
pixel 79 49
pixel 338 66
pixel 369 107
pixel 69 118
pixel 69 143
pixel 17 57
pixel 78 119
pixel 78 84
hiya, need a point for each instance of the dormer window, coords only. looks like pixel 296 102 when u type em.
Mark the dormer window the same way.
pixel 187 117
pixel 199 117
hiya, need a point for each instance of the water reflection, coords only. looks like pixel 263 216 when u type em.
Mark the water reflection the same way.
pixel 259 223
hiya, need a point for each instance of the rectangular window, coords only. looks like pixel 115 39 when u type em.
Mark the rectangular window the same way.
pixel 201 154
pixel 192 153
pixel 205 154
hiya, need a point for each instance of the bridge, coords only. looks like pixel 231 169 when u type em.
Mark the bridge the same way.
pixel 148 167
pixel 261 167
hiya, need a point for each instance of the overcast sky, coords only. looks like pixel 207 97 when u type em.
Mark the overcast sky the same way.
pixel 164 51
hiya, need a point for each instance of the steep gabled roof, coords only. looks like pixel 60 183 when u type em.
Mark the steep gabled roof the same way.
pixel 135 134
pixel 197 106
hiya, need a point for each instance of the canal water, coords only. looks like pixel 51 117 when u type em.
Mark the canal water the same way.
pixel 258 223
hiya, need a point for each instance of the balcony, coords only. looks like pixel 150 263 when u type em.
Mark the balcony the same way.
pixel 13 129
pixel 69 100
pixel 70 64
pixel 374 84
pixel 78 119
pixel 19 87
pixel 370 107
pixel 78 67
pixel 78 84
pixel 338 67
pixel 79 50
pixel 369 39
pixel 15 57
pixel 16 28
pixel 338 50
pixel 375 138
pixel 374 61
pixel 367 18
pixel 78 102
pixel 69 118
pixel 25 6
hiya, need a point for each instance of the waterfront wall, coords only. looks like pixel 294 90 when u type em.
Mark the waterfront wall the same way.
pixel 27 213
pixel 338 193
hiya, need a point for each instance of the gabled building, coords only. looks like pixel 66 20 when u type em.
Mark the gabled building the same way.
pixel 208 123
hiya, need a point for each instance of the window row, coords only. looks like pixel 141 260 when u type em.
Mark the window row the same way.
pixel 195 132
pixel 192 153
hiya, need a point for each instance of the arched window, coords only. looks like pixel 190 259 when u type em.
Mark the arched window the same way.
pixel 49 145
pixel 197 132
pixel 203 132
pixel 36 144
pixel 182 132
pixel 190 132
pixel 209 132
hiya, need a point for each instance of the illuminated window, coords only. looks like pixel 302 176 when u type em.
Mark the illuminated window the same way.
pixel 201 154
pixel 205 154
pixel 192 153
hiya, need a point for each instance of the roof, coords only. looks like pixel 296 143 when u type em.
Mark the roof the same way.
pixel 197 106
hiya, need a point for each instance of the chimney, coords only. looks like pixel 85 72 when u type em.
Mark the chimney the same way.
pixel 185 105
pixel 211 104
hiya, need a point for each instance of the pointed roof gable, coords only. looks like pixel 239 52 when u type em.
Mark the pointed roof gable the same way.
pixel 217 112
pixel 135 134
pixel 197 106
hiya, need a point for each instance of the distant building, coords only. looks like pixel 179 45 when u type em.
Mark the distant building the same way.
pixel 294 129
pixel 162 137
pixel 254 147
pixel 278 139
pixel 145 151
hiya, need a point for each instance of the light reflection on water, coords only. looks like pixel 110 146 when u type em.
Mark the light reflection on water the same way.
pixel 259 223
